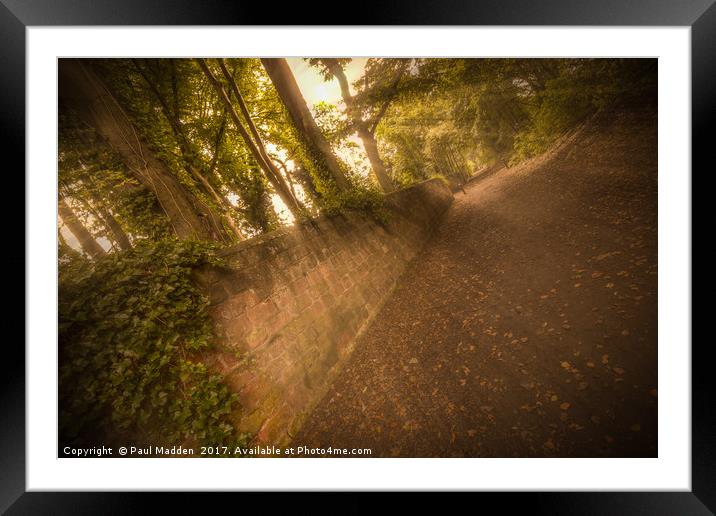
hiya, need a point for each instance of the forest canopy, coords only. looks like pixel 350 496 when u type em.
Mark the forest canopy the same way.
pixel 163 161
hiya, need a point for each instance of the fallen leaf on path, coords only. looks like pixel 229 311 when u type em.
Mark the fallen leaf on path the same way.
pixel 527 385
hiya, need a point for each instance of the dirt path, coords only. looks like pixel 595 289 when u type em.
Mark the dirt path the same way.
pixel 527 326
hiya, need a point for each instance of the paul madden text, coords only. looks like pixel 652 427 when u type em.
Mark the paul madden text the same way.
pixel 211 451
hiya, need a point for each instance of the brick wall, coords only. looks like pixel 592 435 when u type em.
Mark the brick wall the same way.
pixel 289 305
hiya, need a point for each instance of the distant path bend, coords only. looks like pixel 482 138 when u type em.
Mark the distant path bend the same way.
pixel 527 325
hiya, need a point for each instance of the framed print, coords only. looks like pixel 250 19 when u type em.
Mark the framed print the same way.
pixel 430 250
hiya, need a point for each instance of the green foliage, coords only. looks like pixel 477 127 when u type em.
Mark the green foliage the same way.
pixel 452 116
pixel 90 171
pixel 334 126
pixel 320 65
pixel 519 107
pixel 580 88
pixel 317 181
pixel 363 194
pixel 338 130
pixel 444 180
pixel 420 138
pixel 365 198
pixel 131 325
pixel 179 115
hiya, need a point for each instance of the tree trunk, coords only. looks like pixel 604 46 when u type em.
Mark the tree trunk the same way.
pixel 271 172
pixel 290 94
pixel 190 156
pixel 120 237
pixel 306 181
pixel 65 247
pixel 83 91
pixel 258 141
pixel 84 237
pixel 97 207
pixel 371 149
pixel 364 133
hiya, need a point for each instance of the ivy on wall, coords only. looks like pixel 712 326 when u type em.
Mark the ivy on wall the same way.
pixel 131 327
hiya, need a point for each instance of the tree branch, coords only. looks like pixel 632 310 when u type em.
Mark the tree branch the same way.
pixel 393 92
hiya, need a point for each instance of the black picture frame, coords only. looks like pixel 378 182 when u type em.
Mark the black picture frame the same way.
pixel 16 15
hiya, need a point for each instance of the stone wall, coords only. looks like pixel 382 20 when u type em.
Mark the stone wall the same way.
pixel 290 304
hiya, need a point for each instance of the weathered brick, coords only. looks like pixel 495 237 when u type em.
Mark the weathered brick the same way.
pixel 310 262
pixel 304 300
pixel 255 336
pixel 299 285
pixel 262 311
pixel 316 281
pixel 335 288
pixel 276 323
pixel 273 350
pixel 295 299
pixel 252 392
pixel 237 379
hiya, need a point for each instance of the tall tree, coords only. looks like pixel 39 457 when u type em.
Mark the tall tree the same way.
pixel 365 126
pixel 290 94
pixel 74 224
pixel 82 90
pixel 256 148
pixel 190 155
pixel 90 197
pixel 118 234
pixel 96 207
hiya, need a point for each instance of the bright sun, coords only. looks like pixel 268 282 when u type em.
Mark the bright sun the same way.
pixel 321 92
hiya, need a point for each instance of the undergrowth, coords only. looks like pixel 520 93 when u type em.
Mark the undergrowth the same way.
pixel 130 327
